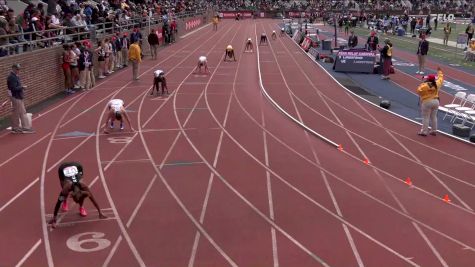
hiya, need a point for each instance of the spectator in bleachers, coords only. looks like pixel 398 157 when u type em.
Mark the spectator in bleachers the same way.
pixel 3 40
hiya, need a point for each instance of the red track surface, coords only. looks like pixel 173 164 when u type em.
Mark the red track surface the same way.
pixel 216 176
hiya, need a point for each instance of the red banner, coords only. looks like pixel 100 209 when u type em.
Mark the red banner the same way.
pixel 306 43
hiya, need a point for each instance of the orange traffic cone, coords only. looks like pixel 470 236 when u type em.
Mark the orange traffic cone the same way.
pixel 408 181
pixel 340 147
pixel 366 161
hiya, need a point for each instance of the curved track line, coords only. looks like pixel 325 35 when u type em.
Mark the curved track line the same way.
pixel 317 160
pixel 359 190
pixel 164 181
pixel 102 176
pixel 42 179
pixel 386 110
pixel 414 160
pixel 211 179
pixel 237 193
pixel 177 66
pixel 342 181
pixel 44 226
pixel 402 207
pixel 81 95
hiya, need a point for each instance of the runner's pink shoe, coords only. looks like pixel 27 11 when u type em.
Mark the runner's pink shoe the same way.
pixel 64 206
pixel 82 212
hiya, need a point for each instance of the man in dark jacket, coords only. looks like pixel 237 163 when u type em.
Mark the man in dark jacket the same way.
pixel 16 95
pixel 352 40
pixel 85 62
pixel 422 50
pixel 153 42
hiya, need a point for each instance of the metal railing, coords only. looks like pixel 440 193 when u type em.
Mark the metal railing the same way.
pixel 30 41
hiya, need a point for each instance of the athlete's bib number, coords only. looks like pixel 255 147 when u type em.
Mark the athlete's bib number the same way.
pixel 95 243
pixel 70 171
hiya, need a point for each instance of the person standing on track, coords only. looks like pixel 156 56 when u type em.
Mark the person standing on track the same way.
pixel 135 58
pixel 422 50
pixel 70 175
pixel 159 78
pixel 117 112
pixel 202 62
pixel 428 92
pixel 229 53
pixel 447 32
pixel 386 57
pixel 215 23
pixel 282 32
pixel 15 91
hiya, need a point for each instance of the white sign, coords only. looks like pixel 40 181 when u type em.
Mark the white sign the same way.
pixel 443 17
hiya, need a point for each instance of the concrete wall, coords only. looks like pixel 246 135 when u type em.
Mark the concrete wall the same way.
pixel 42 71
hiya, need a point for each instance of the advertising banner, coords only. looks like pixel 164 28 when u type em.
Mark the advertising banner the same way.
pixel 355 61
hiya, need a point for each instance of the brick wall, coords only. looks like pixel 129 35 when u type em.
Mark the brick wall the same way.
pixel 42 73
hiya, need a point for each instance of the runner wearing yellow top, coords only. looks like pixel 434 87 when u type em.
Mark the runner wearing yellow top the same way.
pixel 229 53
pixel 428 92
pixel 135 58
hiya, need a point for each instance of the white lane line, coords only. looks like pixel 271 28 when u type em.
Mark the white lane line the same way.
pixel 112 252
pixel 44 226
pixel 379 125
pixel 204 206
pixel 126 161
pixel 148 152
pixel 25 149
pixel 142 199
pixel 366 193
pixel 19 194
pixel 69 153
pixel 171 191
pixel 374 170
pixel 275 254
pixel 28 254
pixel 317 160
pixel 198 29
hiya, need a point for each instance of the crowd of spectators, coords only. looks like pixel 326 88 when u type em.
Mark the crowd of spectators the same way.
pixel 355 5
pixel 65 17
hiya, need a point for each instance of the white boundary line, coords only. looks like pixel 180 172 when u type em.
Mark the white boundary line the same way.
pixel 317 159
pixel 170 189
pixel 192 32
pixel 28 254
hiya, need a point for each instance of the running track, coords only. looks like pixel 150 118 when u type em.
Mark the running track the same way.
pixel 217 176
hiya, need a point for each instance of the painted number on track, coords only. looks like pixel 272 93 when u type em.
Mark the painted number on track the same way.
pixel 94 243
pixel 119 140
